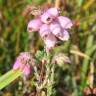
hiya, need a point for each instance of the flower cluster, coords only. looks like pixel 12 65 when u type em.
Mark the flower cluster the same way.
pixel 23 63
pixel 51 27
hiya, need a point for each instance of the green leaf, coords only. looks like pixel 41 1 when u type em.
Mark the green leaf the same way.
pixel 7 78
pixel 89 50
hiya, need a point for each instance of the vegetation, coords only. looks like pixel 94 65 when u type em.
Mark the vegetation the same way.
pixel 64 79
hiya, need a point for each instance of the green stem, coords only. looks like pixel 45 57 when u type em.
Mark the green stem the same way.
pixel 89 50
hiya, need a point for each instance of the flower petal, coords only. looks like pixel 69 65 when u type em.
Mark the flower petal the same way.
pixel 55 29
pixel 53 11
pixel 50 42
pixel 34 25
pixel 65 36
pixel 46 18
pixel 44 31
pixel 65 22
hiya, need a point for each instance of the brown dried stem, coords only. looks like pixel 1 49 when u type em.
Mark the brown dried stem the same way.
pixel 57 3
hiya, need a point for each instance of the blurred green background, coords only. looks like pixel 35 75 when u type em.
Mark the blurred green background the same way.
pixel 14 39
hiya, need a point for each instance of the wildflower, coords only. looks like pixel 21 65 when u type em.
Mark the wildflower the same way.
pixel 65 35
pixel 23 63
pixel 44 31
pixel 50 42
pixel 50 27
pixel 47 18
pixel 56 29
pixel 65 22
pixel 34 25
pixel 53 11
pixel 89 91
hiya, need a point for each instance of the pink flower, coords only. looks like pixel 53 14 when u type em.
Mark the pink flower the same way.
pixel 44 31
pixel 50 42
pixel 56 29
pixel 34 25
pixel 65 35
pixel 49 15
pixel 22 63
pixel 53 11
pixel 65 22
pixel 51 27
pixel 46 18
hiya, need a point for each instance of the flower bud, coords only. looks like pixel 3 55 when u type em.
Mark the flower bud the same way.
pixel 44 31
pixel 60 59
pixel 34 25
pixel 53 11
pixel 46 18
pixel 23 63
pixel 65 22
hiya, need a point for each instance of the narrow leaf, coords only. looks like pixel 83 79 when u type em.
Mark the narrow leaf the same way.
pixel 7 78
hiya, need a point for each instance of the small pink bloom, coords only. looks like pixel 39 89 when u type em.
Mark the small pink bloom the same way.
pixel 44 31
pixel 53 11
pixel 22 63
pixel 34 25
pixel 65 35
pixel 50 42
pixel 55 29
pixel 65 22
pixel 46 18
pixel 24 55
